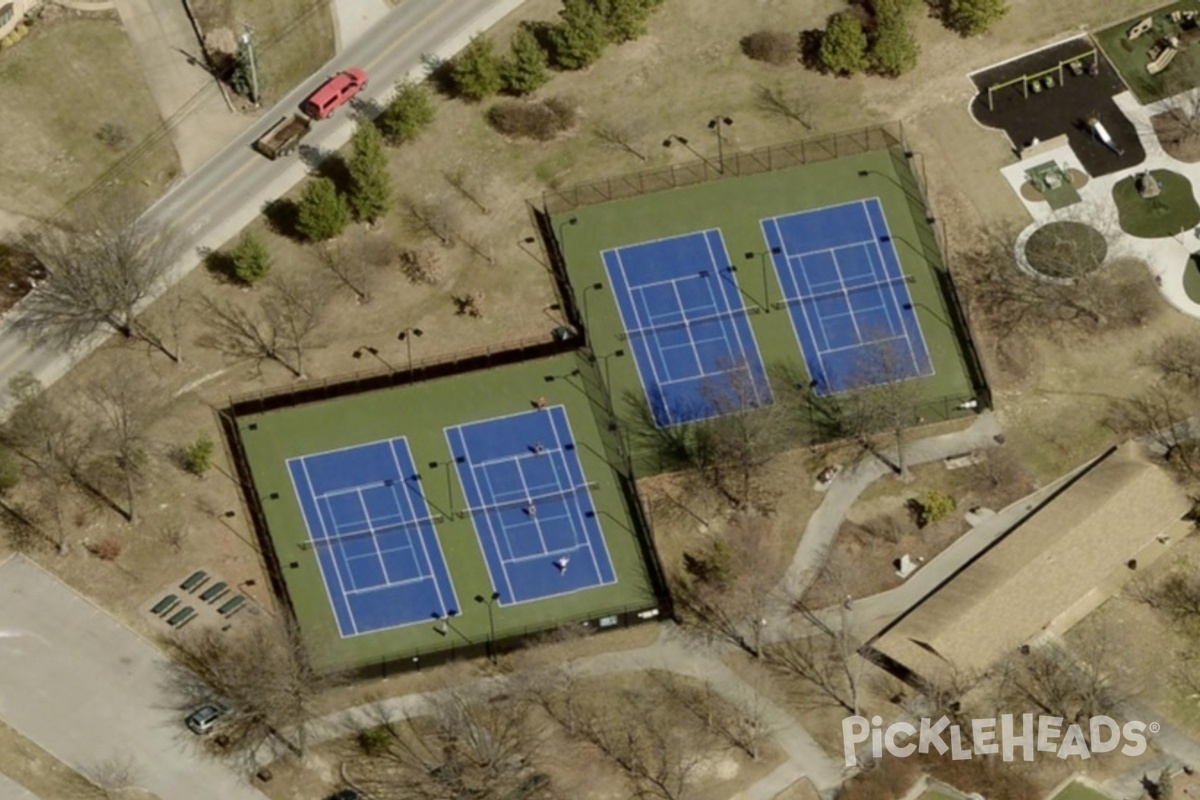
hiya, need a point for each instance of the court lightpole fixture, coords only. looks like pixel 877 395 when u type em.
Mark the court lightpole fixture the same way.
pixel 732 270
pixel 866 173
pixel 444 625
pixel 524 245
pixel 587 324
pixel 674 137
pixel 449 487
pixel 762 255
pixel 605 358
pixel 715 124
pixel 489 602
pixel 407 335
pixel 562 227
pixel 372 351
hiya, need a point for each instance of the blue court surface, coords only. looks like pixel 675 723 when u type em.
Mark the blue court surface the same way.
pixel 531 505
pixel 847 296
pixel 373 536
pixel 684 318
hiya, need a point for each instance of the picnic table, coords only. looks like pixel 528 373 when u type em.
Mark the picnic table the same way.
pixel 194 581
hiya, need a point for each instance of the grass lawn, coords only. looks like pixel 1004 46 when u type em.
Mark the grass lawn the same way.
pixel 1130 57
pixel 1191 278
pixel 1077 791
pixel 295 37
pixel 1174 210
pixel 57 88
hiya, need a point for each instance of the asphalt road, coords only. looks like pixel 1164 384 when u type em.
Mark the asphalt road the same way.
pixel 210 206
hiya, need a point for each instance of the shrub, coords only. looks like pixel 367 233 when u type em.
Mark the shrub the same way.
pixel 935 507
pixel 107 549
pixel 524 70
pixel 973 17
pixel 476 70
pixel 322 213
pixel 250 261
pixel 114 136
pixel 894 49
pixel 580 35
pixel 773 47
pixel 374 741
pixel 844 45
pixel 197 456
pixel 408 114
pixel 541 120
pixel 421 265
pixel 471 304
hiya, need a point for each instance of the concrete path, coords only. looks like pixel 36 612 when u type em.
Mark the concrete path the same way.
pixel 11 790
pixel 187 96
pixel 87 689
pixel 1177 749
pixel 353 18
pixel 1167 257
pixel 823 525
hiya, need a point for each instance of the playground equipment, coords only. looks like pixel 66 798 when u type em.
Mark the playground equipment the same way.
pixel 1046 78
pixel 1101 133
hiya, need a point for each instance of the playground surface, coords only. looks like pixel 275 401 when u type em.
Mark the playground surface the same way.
pixel 1130 57
pixel 747 271
pixel 401 518
pixel 1062 109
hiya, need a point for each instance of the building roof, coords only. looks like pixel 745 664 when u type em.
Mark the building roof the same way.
pixel 1008 594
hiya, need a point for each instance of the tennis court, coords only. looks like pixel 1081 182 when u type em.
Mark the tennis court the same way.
pixel 848 299
pixel 373 536
pixel 684 319
pixel 531 505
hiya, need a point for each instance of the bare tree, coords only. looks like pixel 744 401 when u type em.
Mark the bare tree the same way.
pixel 1073 685
pixel 126 402
pixel 723 590
pixel 434 218
pixel 463 744
pixel 739 720
pixel 349 271
pixel 100 274
pixel 777 101
pixel 261 676
pixel 473 183
pixel 1158 414
pixel 627 135
pixel 1177 358
pixel 113 775
pixel 279 329
pixel 819 651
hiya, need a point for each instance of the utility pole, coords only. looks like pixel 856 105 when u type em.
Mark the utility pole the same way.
pixel 247 40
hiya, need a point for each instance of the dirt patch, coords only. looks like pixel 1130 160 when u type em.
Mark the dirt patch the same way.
pixel 1178 135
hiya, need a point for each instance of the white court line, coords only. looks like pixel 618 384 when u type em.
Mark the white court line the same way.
pixel 374 542
pixel 578 507
pixel 803 311
pixel 895 299
pixel 837 264
pixel 650 355
pixel 736 328
pixel 487 517
pixel 332 556
pixel 419 532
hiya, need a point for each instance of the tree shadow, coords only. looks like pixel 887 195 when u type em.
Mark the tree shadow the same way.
pixel 335 168
pixel 810 49
pixel 283 217
pixel 440 74
pixel 220 265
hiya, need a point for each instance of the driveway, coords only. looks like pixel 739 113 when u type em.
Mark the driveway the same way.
pixel 88 690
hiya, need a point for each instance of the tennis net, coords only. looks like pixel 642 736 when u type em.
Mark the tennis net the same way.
pixel 371 531
pixel 686 322
pixel 532 499
pixel 848 291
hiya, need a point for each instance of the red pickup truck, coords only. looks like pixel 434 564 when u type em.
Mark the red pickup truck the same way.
pixel 334 93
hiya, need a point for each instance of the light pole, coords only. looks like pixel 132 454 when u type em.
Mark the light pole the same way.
pixel 715 124
pixel 373 351
pixel 562 226
pixel 674 137
pixel 490 601
pixel 444 625
pixel 732 270
pixel 614 354
pixel 407 335
pixel 866 173
pixel 587 323
pixel 449 487
pixel 524 245
pixel 762 255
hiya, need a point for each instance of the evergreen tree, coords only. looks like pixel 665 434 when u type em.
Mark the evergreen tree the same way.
pixel 323 213
pixel 626 19
pixel 580 36
pixel 408 114
pixel 973 17
pixel 844 45
pixel 370 183
pixel 894 49
pixel 525 68
pixel 476 70
pixel 251 259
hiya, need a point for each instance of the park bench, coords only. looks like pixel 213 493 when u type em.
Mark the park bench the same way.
pixel 215 592
pixel 182 617
pixel 231 607
pixel 163 606
pixel 194 581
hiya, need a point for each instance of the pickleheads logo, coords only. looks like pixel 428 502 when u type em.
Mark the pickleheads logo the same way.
pixel 1004 735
